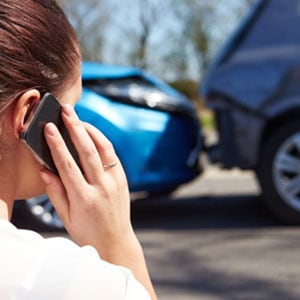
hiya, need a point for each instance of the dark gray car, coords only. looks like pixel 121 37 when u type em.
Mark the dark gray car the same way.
pixel 253 86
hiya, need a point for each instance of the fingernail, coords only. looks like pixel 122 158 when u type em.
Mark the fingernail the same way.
pixel 50 129
pixel 45 178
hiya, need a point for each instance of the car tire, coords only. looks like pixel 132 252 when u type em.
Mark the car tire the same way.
pixel 162 193
pixel 278 172
pixel 40 214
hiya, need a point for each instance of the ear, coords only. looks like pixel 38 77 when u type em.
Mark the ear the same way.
pixel 22 108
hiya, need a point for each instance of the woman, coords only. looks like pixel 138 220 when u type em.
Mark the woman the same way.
pixel 39 53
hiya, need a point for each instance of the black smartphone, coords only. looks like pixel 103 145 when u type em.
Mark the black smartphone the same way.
pixel 45 111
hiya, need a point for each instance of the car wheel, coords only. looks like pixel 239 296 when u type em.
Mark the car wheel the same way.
pixel 279 172
pixel 161 193
pixel 42 213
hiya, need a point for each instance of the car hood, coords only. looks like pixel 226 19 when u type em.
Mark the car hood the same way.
pixel 253 65
pixel 173 101
pixel 93 70
pixel 252 84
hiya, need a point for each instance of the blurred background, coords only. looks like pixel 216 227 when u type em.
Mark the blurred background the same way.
pixel 201 101
pixel 173 39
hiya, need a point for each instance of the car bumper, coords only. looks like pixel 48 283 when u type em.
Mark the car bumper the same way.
pixel 239 138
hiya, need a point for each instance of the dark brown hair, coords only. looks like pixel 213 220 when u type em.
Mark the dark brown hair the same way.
pixel 38 48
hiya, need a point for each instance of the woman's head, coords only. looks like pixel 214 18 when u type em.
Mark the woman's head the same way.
pixel 38 48
pixel 39 53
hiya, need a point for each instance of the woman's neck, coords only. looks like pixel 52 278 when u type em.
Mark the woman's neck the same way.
pixel 7 187
pixel 8 160
pixel 8 184
pixel 6 209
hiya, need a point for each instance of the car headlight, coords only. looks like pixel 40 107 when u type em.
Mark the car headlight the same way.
pixel 140 92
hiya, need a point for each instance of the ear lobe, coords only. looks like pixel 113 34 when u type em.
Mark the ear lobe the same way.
pixel 23 106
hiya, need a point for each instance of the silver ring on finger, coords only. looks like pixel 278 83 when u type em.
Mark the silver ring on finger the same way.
pixel 109 165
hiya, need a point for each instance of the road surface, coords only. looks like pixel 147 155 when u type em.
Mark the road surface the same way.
pixel 214 239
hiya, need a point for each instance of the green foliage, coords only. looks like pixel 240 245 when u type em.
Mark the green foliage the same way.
pixel 191 89
pixel 207 119
pixel 188 87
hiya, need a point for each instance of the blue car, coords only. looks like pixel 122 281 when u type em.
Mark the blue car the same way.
pixel 154 129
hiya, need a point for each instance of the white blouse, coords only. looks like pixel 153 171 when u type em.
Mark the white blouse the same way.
pixel 35 268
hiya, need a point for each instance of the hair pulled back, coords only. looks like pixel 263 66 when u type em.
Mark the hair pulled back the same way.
pixel 38 48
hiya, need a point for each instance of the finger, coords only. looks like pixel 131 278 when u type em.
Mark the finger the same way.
pixel 68 170
pixel 108 154
pixel 104 147
pixel 57 194
pixel 89 157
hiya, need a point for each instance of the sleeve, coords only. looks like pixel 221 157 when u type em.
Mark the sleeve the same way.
pixel 62 270
pixel 135 291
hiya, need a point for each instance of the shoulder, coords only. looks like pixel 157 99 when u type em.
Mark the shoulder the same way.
pixel 58 266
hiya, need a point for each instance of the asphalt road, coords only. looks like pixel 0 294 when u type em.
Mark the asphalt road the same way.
pixel 214 239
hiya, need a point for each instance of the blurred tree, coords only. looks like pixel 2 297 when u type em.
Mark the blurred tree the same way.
pixel 89 18
pixel 208 24
pixel 250 2
pixel 197 31
pixel 144 24
pixel 174 39
pixel 145 19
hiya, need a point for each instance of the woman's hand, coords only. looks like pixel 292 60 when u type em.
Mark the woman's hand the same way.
pixel 94 203
pixel 94 206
